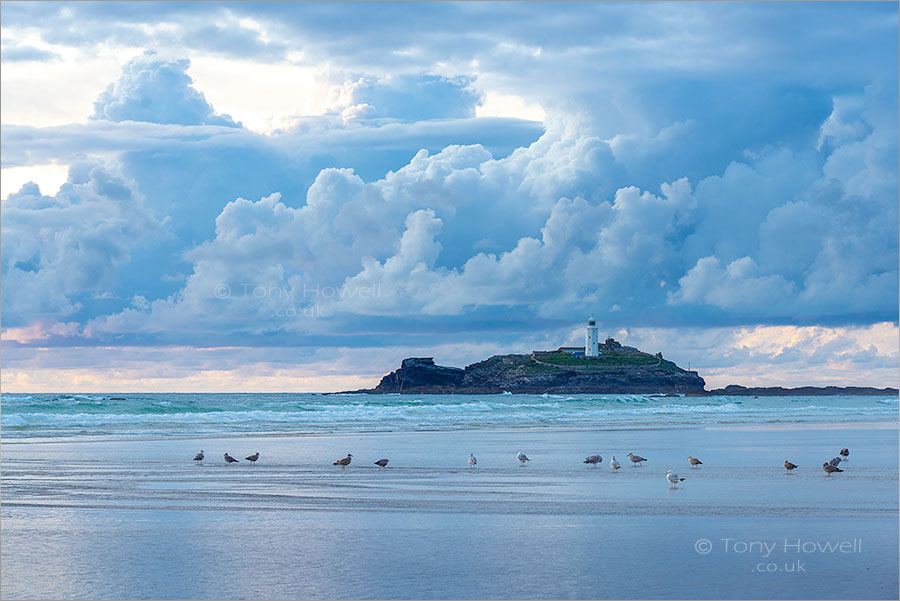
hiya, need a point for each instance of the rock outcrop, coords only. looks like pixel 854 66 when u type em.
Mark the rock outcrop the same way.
pixel 417 373
pixel 536 374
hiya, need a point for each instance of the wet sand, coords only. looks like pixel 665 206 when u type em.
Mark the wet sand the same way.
pixel 138 519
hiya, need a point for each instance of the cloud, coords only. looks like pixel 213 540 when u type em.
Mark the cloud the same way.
pixel 20 53
pixel 408 97
pixel 213 29
pixel 725 251
pixel 159 91
pixel 59 250
pixel 780 355
pixel 737 286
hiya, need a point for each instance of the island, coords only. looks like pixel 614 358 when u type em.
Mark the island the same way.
pixel 614 369
pixel 596 368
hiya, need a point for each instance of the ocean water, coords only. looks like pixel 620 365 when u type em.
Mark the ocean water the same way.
pixel 166 415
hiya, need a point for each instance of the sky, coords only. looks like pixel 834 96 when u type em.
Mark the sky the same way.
pixel 285 196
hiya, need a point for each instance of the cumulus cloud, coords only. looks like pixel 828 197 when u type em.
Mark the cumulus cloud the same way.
pixel 770 238
pixel 59 250
pixel 159 91
pixel 407 97
pixel 739 285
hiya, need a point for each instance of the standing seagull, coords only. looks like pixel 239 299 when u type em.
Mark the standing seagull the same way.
pixel 252 458
pixel 635 459
pixel 595 459
pixel 230 459
pixel 382 462
pixel 834 461
pixel 694 461
pixel 199 457
pixel 522 458
pixel 789 466
pixel 830 469
pixel 614 464
pixel 673 478
pixel 343 462
pixel 472 461
pixel 845 453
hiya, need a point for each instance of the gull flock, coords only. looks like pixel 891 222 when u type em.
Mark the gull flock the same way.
pixel 829 467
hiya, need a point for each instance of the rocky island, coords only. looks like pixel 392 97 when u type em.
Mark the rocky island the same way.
pixel 615 369
pixel 595 368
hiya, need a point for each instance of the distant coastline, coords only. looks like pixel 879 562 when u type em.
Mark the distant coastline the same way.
pixel 736 390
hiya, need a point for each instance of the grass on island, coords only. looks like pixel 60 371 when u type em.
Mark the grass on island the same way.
pixel 607 359
pixel 521 363
pixel 553 361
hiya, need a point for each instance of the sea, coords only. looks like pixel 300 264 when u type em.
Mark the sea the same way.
pixel 102 498
pixel 103 416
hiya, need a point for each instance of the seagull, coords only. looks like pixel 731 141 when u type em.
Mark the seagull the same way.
pixel 635 459
pixel 252 458
pixel 614 464
pixel 595 459
pixel 694 461
pixel 789 466
pixel 834 461
pixel 830 469
pixel 673 478
pixel 472 461
pixel 343 462
pixel 522 457
pixel 382 462
pixel 199 457
pixel 230 459
pixel 845 453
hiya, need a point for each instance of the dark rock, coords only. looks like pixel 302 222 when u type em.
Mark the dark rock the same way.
pixel 522 374
pixel 417 373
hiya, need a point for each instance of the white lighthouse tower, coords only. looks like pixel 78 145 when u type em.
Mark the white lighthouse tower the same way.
pixel 591 342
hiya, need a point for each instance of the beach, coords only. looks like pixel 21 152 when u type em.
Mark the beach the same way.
pixel 135 518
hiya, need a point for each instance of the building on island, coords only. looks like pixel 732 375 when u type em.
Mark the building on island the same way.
pixel 575 351
pixel 591 346
pixel 591 341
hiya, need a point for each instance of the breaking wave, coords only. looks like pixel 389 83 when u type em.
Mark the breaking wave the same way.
pixel 205 414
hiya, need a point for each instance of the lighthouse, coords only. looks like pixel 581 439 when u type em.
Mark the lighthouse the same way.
pixel 591 342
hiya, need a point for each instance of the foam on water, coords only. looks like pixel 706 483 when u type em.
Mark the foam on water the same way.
pixel 68 415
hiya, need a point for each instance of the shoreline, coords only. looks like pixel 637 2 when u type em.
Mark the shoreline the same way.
pixel 886 424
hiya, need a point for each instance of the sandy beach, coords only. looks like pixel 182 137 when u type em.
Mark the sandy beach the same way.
pixel 81 519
